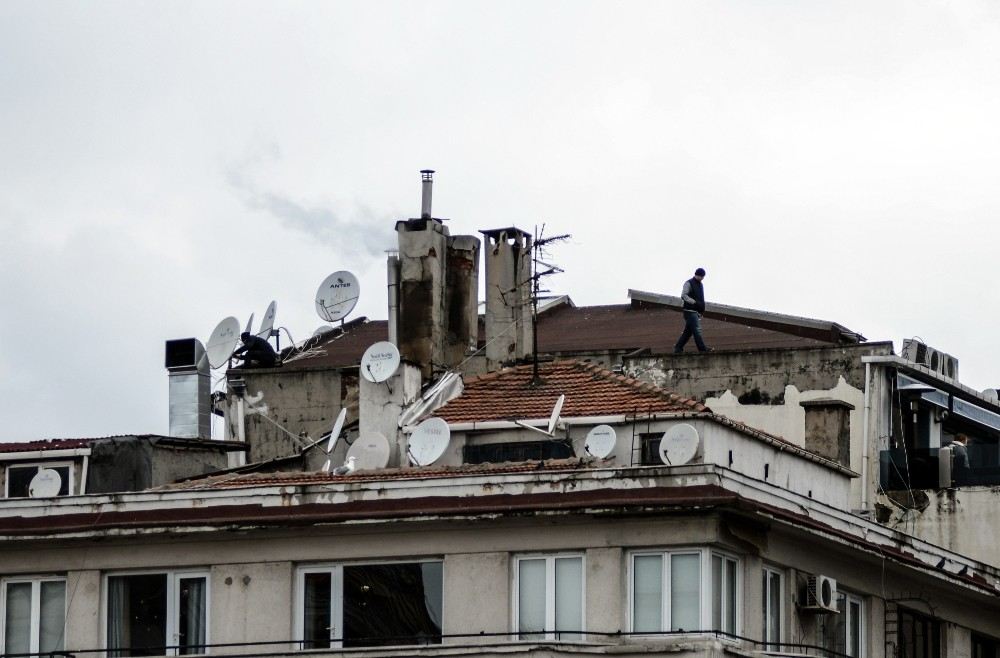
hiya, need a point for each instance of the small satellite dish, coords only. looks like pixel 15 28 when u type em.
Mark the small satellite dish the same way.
pixel 249 326
pixel 679 444
pixel 601 441
pixel 267 324
pixel 554 418
pixel 222 342
pixel 45 484
pixel 371 452
pixel 322 329
pixel 337 296
pixel 429 441
pixel 991 393
pixel 380 361
pixel 338 425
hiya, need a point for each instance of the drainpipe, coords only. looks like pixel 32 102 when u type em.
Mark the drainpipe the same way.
pixel 864 438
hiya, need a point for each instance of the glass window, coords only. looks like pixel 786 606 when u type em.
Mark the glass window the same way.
pixel 549 597
pixel 918 635
pixel 19 478
pixel 669 592
pixel 153 614
pixel 369 605
pixel 772 605
pixel 844 632
pixel 34 618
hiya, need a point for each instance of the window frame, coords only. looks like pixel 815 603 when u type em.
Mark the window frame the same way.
pixel 336 571
pixel 550 595
pixel 706 593
pixel 768 571
pixel 171 632
pixel 35 623
pixel 38 465
pixel 848 598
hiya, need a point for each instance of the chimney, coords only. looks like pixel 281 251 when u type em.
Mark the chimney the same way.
pixel 828 429
pixel 427 176
pixel 392 276
pixel 188 374
pixel 508 296
pixel 438 288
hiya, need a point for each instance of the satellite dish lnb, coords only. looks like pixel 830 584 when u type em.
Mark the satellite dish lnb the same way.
pixel 267 324
pixel 429 441
pixel 379 362
pixel 337 296
pixel 45 484
pixel 370 451
pixel 601 441
pixel 222 342
pixel 679 445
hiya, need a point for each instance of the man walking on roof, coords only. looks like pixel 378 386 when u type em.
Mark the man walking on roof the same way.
pixel 693 295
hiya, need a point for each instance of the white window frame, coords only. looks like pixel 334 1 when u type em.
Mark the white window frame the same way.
pixel 771 643
pixel 336 571
pixel 172 634
pixel 36 608
pixel 706 594
pixel 550 592
pixel 39 466
pixel 848 599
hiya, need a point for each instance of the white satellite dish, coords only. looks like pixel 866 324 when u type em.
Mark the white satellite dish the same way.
pixel 601 441
pixel 371 452
pixel 322 329
pixel 380 361
pixel 429 441
pixel 337 296
pixel 338 425
pixel 267 324
pixel 45 484
pixel 679 444
pixel 556 410
pixel 222 342
pixel 992 394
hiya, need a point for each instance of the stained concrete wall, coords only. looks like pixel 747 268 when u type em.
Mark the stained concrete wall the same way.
pixel 240 592
pixel 381 403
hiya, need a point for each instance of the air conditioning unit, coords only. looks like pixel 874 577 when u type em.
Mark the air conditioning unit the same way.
pixel 821 594
pixel 939 362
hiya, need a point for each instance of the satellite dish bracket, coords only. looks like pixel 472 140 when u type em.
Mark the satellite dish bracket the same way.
pixel 534 429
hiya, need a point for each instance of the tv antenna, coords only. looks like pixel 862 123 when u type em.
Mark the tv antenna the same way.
pixel 337 296
pixel 601 441
pixel 539 251
pixel 222 342
pixel 429 441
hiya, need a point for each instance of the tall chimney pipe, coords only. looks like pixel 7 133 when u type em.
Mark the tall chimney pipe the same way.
pixel 392 272
pixel 427 176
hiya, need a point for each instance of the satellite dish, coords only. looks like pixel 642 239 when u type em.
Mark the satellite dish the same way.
pixel 249 325
pixel 991 393
pixel 222 342
pixel 554 418
pixel 338 425
pixel 322 329
pixel 45 484
pixel 429 441
pixel 679 444
pixel 337 296
pixel 267 324
pixel 601 441
pixel 380 361
pixel 371 452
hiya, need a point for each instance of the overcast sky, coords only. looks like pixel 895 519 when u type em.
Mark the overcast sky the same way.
pixel 165 164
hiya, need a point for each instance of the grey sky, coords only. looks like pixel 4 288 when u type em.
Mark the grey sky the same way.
pixel 163 165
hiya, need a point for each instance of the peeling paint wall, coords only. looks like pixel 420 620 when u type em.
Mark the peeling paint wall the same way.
pixel 380 405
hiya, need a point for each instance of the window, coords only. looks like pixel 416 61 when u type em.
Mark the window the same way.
pixel 19 478
pixel 685 590
pixel 152 614
pixel 772 594
pixel 918 635
pixel 494 453
pixel 984 647
pixel 369 605
pixel 34 615
pixel 844 632
pixel 548 600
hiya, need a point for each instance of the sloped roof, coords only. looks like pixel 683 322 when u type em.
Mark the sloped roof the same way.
pixel 45 444
pixel 589 389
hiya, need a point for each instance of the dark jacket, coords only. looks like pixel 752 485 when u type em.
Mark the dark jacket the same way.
pixel 697 292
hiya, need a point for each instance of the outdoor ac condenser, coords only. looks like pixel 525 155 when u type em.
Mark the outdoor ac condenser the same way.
pixel 821 594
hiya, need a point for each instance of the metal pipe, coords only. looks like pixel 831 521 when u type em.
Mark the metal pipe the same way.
pixel 864 438
pixel 392 276
pixel 427 176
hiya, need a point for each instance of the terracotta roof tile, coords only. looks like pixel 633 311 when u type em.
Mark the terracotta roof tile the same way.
pixel 589 389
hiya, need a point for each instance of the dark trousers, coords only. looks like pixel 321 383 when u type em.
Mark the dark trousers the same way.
pixel 692 327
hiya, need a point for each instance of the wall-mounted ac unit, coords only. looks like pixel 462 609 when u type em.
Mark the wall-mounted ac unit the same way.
pixel 936 360
pixel 821 594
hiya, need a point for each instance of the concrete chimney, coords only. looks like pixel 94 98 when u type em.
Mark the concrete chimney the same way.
pixel 828 429
pixel 508 296
pixel 189 377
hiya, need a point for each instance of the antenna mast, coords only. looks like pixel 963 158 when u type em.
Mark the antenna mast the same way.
pixel 538 251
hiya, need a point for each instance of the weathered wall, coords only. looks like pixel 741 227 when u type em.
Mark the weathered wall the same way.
pixel 170 463
pixel 381 403
pixel 120 465
pixel 304 402
pixel 240 592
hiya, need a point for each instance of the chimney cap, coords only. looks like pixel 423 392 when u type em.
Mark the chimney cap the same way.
pixel 427 172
